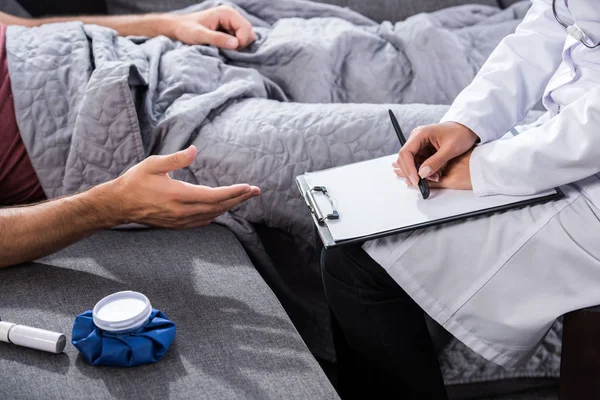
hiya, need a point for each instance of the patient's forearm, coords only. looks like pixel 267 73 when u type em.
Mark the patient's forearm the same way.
pixel 31 232
pixel 138 25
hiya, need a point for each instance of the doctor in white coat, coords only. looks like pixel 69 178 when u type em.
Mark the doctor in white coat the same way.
pixel 496 283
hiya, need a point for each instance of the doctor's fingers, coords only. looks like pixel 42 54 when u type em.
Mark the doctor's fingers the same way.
pixel 435 177
pixel 438 161
pixel 432 178
pixel 419 158
pixel 406 160
pixel 419 147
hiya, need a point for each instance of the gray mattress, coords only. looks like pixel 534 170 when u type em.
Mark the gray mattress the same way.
pixel 234 340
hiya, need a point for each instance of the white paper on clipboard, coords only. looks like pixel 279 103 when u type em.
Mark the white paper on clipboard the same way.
pixel 371 199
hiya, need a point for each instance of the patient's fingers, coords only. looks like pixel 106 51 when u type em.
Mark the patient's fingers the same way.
pixel 229 204
pixel 190 215
pixel 232 21
pixel 195 224
pixel 202 35
pixel 202 214
pixel 194 194
pixel 170 162
pixel 213 210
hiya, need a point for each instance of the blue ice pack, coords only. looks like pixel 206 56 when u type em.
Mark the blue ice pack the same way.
pixel 123 330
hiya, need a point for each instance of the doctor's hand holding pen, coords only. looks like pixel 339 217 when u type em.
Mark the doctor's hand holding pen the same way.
pixel 443 152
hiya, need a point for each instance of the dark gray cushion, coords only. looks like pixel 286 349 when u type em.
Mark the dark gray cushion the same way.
pixel 378 10
pixel 39 8
pixel 13 8
pixel 234 340
pixel 506 3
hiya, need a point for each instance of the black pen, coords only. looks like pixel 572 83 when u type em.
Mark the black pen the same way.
pixel 423 185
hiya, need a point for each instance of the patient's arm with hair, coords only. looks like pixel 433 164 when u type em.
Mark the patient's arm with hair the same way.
pixel 221 26
pixel 145 194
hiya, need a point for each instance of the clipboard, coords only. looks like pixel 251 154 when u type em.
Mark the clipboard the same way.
pixel 321 202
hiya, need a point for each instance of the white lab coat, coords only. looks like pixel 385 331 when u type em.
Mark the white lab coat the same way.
pixel 539 61
pixel 498 283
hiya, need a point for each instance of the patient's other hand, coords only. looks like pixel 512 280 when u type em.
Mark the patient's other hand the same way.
pixel 221 26
pixel 146 194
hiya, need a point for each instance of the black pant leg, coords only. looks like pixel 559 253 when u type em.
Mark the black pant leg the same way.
pixel 382 341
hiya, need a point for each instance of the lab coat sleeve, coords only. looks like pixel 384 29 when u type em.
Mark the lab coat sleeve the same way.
pixel 561 151
pixel 514 77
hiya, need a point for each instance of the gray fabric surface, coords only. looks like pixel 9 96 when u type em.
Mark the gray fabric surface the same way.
pixel 546 394
pixel 399 10
pixel 75 79
pixel 466 367
pixel 234 340
pixel 507 389
pixel 507 3
pixel 377 10
pixel 82 127
pixel 12 7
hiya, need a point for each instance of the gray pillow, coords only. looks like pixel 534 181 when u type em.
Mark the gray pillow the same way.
pixel 399 10
pixel 378 10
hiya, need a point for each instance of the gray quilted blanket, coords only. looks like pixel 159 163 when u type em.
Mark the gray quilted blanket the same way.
pixel 90 105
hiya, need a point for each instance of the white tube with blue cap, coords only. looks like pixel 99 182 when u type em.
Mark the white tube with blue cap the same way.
pixel 33 338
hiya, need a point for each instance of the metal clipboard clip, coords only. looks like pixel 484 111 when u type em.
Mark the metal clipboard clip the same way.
pixel 314 207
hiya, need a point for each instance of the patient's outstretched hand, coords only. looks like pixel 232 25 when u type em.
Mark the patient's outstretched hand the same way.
pixel 221 26
pixel 146 194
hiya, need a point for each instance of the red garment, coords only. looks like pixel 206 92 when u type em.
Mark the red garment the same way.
pixel 18 182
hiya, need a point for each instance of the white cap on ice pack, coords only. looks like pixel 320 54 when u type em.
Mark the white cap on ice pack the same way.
pixel 122 311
